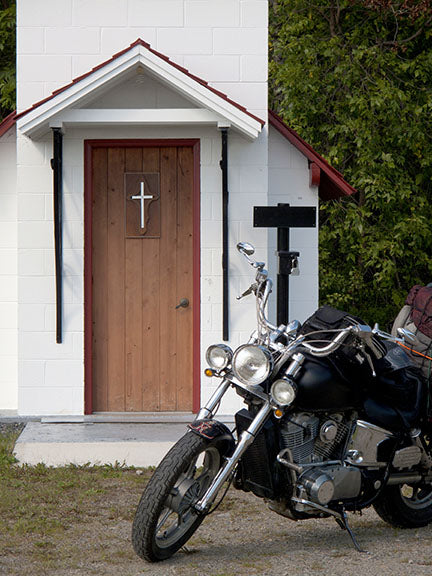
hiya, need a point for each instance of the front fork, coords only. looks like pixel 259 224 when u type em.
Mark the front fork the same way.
pixel 207 410
pixel 246 439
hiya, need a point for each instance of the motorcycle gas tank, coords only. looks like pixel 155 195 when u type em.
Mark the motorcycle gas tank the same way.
pixel 320 387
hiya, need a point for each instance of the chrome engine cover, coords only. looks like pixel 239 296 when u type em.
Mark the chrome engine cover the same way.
pixel 364 443
pixel 329 483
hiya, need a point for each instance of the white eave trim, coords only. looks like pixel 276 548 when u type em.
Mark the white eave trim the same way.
pixel 37 120
pixel 134 117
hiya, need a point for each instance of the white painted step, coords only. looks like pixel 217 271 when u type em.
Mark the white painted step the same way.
pixel 96 443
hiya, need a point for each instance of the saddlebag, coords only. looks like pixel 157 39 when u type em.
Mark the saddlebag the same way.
pixel 416 316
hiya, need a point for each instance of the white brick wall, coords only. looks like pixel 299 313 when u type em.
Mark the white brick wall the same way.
pixel 8 270
pixel 60 39
pixel 289 183
pixel 224 42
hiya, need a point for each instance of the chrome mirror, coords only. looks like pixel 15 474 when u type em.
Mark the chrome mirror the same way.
pixel 407 335
pixel 245 248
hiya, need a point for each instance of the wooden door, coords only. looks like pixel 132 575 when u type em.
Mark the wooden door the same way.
pixel 142 266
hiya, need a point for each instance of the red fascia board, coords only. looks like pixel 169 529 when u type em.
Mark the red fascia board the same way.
pixel 340 187
pixel 8 122
pixel 140 42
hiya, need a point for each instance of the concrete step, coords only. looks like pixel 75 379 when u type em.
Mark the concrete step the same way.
pixel 131 444
pixel 123 418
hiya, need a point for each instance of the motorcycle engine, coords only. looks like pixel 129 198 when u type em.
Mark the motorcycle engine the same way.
pixel 324 458
pixel 313 439
pixel 318 444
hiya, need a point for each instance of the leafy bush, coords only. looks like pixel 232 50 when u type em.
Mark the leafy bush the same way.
pixel 354 79
pixel 7 57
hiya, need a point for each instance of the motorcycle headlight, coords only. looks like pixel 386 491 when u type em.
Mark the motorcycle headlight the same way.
pixel 219 356
pixel 252 364
pixel 283 392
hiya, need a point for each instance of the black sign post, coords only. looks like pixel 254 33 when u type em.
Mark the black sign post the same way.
pixel 283 217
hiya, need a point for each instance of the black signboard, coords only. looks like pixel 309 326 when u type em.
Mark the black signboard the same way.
pixel 284 216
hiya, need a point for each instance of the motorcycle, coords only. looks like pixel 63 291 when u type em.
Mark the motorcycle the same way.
pixel 336 420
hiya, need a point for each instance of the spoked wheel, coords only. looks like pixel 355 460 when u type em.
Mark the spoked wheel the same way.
pixel 416 497
pixel 165 518
pixel 406 505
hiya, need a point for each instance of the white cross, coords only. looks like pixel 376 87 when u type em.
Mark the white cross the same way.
pixel 142 197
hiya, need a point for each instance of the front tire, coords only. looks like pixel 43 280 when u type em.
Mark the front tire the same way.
pixel 164 520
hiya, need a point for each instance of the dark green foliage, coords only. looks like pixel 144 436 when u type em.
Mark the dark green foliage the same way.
pixel 7 57
pixel 355 80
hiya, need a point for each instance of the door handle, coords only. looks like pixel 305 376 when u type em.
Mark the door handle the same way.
pixel 184 303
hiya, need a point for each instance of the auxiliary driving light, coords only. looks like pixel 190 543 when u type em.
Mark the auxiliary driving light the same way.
pixel 219 356
pixel 283 392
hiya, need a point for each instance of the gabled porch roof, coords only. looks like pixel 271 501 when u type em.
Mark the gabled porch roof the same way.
pixel 208 105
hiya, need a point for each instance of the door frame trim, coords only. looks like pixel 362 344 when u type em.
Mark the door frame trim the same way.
pixel 194 143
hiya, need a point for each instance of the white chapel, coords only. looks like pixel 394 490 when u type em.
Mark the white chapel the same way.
pixel 140 145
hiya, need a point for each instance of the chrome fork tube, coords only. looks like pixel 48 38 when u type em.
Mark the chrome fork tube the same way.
pixel 207 410
pixel 246 439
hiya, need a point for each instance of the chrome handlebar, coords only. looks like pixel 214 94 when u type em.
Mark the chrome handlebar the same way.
pixel 262 288
pixel 331 347
pixel 362 331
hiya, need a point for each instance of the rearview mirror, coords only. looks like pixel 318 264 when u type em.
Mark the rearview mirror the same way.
pixel 407 335
pixel 245 248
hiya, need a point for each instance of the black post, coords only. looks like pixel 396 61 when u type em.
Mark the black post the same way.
pixel 282 277
pixel 283 217
pixel 225 196
pixel 56 165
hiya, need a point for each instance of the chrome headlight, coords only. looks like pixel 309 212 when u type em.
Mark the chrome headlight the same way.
pixel 252 364
pixel 219 356
pixel 283 392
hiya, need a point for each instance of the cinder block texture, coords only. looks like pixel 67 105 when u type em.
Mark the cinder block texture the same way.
pixel 8 270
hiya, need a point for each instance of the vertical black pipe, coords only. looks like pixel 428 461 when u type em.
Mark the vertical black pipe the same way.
pixel 225 195
pixel 283 242
pixel 56 164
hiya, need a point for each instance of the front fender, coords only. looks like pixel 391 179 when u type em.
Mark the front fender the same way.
pixel 214 430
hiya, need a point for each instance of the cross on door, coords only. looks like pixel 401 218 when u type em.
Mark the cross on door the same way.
pixel 142 197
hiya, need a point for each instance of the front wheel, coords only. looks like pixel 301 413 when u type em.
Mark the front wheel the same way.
pixel 164 520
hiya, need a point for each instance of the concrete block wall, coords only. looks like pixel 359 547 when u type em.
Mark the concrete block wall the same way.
pixel 288 173
pixel 225 41
pixel 8 271
pixel 51 375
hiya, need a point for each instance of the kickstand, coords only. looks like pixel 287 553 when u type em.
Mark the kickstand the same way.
pixel 343 523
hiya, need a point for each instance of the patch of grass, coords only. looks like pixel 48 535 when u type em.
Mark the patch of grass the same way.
pixel 58 518
pixel 7 443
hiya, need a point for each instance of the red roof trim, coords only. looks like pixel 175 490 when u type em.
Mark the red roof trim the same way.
pixel 140 42
pixel 337 186
pixel 7 123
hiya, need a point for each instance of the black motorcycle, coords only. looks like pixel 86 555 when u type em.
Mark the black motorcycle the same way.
pixel 336 420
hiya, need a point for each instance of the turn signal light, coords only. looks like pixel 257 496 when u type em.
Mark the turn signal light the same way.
pixel 209 372
pixel 278 413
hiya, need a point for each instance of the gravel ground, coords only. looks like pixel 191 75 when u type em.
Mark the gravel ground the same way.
pixel 11 427
pixel 241 538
